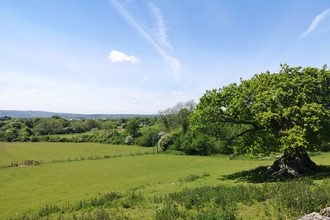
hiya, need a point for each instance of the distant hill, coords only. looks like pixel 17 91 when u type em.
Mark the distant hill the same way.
pixel 43 114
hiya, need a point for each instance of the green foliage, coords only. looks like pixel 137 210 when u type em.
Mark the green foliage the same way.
pixel 129 140
pixel 164 142
pixel 78 126
pixel 46 126
pixel 57 129
pixel 90 124
pixel 177 116
pixel 133 128
pixel 289 200
pixel 5 118
pixel 148 138
pixel 108 125
pixel 16 125
pixel 194 144
pixel 282 111
pixel 11 134
pixel 201 145
pixel 27 131
pixel 2 123
pixel 193 177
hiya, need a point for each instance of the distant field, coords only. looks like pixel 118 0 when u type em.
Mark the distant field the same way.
pixel 26 189
pixel 48 151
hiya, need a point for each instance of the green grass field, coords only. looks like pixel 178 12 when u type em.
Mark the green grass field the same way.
pixel 46 151
pixel 25 189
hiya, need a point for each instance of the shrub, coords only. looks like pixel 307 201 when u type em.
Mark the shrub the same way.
pixel 203 144
pixel 34 139
pixel 165 142
pixel 148 138
pixel 129 140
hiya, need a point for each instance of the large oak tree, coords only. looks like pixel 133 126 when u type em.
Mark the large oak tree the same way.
pixel 287 112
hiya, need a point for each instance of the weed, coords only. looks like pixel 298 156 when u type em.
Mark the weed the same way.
pixel 193 177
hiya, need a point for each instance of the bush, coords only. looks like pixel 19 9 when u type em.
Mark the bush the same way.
pixel 203 145
pixel 199 145
pixel 34 139
pixel 148 138
pixel 129 140
pixel 165 142
pixel 224 147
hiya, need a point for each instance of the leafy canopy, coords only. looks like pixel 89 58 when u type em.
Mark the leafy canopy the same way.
pixel 271 112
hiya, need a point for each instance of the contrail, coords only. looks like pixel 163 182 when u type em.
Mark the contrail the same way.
pixel 316 21
pixel 169 60
pixel 144 80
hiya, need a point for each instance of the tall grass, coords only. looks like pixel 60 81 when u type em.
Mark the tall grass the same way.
pixel 288 200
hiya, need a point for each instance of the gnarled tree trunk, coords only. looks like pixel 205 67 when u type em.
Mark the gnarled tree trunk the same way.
pixel 292 164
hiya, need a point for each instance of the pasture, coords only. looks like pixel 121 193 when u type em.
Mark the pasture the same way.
pixel 49 151
pixel 73 172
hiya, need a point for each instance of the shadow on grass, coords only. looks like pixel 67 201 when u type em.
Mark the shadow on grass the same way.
pixel 253 176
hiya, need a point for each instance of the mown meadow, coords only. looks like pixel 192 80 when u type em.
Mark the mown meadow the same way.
pixel 99 181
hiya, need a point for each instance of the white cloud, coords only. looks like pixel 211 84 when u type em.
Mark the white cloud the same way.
pixel 116 56
pixel 35 91
pixel 316 21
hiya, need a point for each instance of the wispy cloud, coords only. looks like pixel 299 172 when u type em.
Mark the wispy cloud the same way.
pixel 161 29
pixel 116 56
pixel 316 21
pixel 35 91
pixel 160 40
pixel 144 80
pixel 173 94
pixel 136 101
pixel 177 93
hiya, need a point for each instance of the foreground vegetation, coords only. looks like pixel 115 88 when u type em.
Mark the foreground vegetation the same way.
pixel 141 185
pixel 268 201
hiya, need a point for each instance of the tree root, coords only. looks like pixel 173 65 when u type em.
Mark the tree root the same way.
pixel 291 164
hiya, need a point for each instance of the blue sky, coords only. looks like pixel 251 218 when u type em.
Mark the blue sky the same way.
pixel 136 56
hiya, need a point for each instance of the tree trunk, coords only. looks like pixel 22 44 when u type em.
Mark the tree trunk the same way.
pixel 292 164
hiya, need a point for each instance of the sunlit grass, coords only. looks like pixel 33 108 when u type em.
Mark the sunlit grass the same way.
pixel 48 151
pixel 26 189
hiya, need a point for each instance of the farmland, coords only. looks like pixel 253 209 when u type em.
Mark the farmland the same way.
pixel 72 172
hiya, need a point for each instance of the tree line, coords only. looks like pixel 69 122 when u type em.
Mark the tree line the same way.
pixel 46 129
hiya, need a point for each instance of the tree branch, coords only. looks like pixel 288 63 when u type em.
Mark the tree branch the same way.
pixel 255 129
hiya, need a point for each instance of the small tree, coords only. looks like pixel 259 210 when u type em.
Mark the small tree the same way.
pixel 148 138
pixel 90 124
pixel 133 128
pixel 25 134
pixel 201 145
pixel 177 116
pixel 108 125
pixel 11 134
